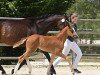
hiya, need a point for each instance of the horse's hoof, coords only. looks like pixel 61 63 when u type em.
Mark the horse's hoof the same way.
pixel 52 73
pixel 73 73
pixel 29 72
pixel 12 71
pixel 4 73
pixel 48 73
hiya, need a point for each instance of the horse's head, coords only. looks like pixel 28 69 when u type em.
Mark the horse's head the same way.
pixel 61 21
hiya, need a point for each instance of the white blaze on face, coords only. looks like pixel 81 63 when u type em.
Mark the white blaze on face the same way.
pixel 63 20
pixel 75 32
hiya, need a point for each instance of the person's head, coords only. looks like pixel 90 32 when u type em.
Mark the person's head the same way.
pixel 74 18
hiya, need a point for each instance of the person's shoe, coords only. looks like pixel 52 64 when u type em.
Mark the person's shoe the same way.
pixel 12 72
pixel 77 71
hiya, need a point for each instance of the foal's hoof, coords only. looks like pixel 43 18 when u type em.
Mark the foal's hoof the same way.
pixel 73 73
pixel 29 72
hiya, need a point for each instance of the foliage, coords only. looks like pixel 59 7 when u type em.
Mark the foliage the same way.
pixel 30 8
pixel 88 9
pixel 27 8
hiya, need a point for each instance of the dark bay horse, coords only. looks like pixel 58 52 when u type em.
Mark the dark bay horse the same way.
pixel 13 29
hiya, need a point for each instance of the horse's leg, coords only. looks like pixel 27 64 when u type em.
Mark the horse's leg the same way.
pixel 50 64
pixel 16 69
pixel 3 71
pixel 52 70
pixel 21 58
pixel 29 65
pixel 17 66
pixel 23 63
pixel 67 59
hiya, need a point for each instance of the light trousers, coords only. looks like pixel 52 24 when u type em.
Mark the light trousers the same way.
pixel 68 45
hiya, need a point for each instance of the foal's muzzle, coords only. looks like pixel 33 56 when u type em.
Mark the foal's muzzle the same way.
pixel 75 37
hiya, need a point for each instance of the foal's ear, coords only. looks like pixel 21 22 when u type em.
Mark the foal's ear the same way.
pixel 67 27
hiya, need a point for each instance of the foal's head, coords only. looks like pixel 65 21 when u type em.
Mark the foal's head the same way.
pixel 72 33
pixel 68 31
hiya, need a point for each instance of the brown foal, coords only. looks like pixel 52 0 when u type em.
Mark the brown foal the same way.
pixel 53 44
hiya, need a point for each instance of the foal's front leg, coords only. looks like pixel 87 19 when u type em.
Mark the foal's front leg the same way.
pixel 67 59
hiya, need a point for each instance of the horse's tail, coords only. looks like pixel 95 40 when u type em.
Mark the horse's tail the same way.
pixel 20 42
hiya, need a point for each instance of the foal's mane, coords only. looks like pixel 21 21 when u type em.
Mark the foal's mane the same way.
pixel 62 34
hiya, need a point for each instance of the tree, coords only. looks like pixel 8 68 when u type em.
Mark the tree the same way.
pixel 31 8
pixel 88 9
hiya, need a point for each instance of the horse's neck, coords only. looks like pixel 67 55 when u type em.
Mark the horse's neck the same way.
pixel 45 26
pixel 63 35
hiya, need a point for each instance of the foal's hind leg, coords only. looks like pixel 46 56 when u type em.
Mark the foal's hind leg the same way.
pixel 29 65
pixel 18 64
pixel 21 58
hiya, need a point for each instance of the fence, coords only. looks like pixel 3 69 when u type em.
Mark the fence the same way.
pixel 54 32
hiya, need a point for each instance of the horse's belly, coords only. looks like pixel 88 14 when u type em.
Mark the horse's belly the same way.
pixel 8 42
pixel 4 44
pixel 12 32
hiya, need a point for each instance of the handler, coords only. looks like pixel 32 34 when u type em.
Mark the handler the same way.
pixel 71 44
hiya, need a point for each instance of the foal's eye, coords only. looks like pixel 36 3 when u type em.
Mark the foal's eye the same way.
pixel 63 20
pixel 72 30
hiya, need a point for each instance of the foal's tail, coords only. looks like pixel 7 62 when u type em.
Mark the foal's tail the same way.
pixel 20 42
